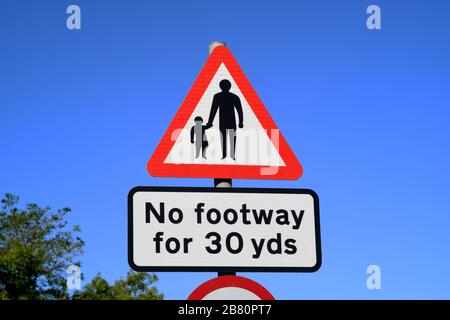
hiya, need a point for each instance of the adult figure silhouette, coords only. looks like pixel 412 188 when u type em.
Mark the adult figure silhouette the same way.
pixel 226 102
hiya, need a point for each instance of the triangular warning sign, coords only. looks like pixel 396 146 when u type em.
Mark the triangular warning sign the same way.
pixel 223 130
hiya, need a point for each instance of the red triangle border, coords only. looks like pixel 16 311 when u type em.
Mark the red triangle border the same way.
pixel 156 166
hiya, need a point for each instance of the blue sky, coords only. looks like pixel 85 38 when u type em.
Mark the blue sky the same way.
pixel 82 111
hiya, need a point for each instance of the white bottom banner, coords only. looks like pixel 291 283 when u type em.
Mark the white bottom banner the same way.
pixel 223 229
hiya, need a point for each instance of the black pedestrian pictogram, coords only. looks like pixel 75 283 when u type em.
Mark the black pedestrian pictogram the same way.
pixel 226 102
pixel 198 136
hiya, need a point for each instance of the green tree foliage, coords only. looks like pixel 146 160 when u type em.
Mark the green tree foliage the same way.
pixel 36 247
pixel 136 286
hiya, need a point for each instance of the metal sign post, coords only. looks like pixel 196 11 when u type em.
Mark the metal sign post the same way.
pixel 219 182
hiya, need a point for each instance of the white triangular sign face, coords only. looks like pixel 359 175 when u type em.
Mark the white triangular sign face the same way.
pixel 253 146
pixel 223 130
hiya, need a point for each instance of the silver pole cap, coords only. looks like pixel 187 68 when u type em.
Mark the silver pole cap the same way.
pixel 214 44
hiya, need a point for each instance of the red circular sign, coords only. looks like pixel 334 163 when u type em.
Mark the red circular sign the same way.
pixel 230 282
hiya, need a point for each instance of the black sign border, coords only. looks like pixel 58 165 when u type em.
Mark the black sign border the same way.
pixel 224 269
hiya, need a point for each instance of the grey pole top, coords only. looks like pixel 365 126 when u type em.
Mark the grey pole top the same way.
pixel 214 44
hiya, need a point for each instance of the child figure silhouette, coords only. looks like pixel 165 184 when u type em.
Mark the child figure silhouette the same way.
pixel 198 137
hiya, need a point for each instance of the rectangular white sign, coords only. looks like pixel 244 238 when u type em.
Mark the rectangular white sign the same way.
pixel 223 229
